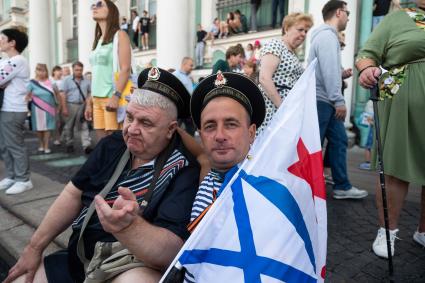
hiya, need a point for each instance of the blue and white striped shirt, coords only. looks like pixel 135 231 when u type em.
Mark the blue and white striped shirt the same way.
pixel 205 195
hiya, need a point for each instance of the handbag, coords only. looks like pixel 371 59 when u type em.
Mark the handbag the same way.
pixel 123 101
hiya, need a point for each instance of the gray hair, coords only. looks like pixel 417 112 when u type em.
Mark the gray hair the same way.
pixel 147 98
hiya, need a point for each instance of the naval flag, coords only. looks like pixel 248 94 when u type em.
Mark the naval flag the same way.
pixel 269 223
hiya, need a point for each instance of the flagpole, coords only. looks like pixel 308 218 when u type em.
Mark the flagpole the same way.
pixel 374 96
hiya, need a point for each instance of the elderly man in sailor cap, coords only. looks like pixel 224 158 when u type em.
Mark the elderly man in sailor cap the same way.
pixel 148 182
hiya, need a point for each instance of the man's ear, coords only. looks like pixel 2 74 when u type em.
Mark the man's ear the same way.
pixel 13 42
pixel 172 127
pixel 252 129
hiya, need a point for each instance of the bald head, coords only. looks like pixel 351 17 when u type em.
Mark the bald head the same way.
pixel 187 65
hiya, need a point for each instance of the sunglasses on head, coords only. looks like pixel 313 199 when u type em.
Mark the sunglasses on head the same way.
pixel 99 4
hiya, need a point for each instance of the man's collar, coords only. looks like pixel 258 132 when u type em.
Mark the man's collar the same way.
pixel 181 71
pixel 148 165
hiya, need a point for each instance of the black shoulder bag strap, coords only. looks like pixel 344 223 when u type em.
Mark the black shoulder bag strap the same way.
pixel 79 90
pixel 118 170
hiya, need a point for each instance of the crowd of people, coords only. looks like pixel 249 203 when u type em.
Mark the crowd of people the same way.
pixel 138 191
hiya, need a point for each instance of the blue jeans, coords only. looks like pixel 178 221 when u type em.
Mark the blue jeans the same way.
pixel 376 20
pixel 199 54
pixel 334 131
pixel 275 5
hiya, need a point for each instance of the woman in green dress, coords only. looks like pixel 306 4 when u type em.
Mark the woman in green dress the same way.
pixel 398 45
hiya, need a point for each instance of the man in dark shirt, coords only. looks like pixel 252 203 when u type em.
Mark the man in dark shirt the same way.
pixel 152 232
pixel 380 9
pixel 234 57
pixel 201 37
pixel 144 25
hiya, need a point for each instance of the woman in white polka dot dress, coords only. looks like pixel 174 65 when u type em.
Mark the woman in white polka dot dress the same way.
pixel 280 68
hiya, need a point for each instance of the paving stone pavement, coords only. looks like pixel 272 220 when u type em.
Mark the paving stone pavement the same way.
pixel 352 224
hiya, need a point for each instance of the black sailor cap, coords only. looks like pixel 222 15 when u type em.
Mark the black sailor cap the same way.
pixel 165 83
pixel 233 85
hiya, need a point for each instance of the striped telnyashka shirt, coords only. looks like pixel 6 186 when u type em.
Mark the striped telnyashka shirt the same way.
pixel 139 179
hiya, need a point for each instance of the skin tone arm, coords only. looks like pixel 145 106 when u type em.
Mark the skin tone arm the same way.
pixel 124 55
pixel 59 216
pixel 88 111
pixel 56 93
pixel 153 245
pixel 197 151
pixel 369 72
pixel 269 64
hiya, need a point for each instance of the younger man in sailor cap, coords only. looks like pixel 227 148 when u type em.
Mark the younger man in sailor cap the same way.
pixel 227 108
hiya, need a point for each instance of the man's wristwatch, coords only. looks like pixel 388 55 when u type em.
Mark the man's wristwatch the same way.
pixel 117 94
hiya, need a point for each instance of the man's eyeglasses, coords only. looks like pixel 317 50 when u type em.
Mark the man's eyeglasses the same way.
pixel 348 12
pixel 99 4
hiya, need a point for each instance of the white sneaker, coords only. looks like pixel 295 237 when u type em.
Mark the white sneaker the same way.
pixel 353 193
pixel 419 238
pixel 19 187
pixel 6 183
pixel 379 246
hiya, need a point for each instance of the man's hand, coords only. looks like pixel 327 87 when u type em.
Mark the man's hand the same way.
pixel 347 73
pixel 88 113
pixel 28 97
pixel 65 112
pixel 124 211
pixel 112 104
pixel 369 77
pixel 340 112
pixel 27 264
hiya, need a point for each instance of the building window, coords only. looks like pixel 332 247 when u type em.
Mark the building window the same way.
pixel 72 46
pixel 138 5
pixel 74 18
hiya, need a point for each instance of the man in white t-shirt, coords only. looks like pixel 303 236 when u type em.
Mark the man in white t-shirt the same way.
pixel 134 26
pixel 14 78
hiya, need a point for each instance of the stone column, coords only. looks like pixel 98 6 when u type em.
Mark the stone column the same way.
pixel 39 34
pixel 173 33
pixel 86 26
pixel 362 95
pixel 209 12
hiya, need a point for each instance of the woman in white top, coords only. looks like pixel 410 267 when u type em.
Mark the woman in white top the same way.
pixel 14 78
pixel 280 66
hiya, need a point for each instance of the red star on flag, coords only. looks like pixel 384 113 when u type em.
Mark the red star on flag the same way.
pixel 310 168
